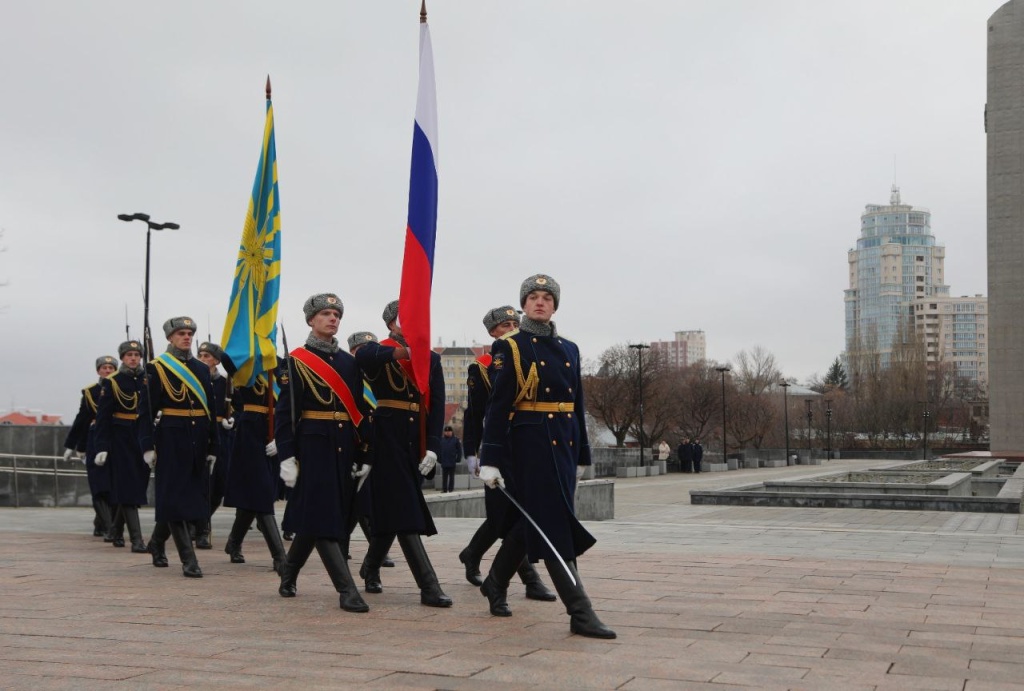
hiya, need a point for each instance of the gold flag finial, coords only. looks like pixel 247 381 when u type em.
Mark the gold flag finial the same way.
pixel 423 12
pixel 268 87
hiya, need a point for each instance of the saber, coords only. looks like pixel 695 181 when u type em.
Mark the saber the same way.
pixel 537 527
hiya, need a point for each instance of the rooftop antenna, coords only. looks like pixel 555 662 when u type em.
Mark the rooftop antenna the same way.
pixel 894 195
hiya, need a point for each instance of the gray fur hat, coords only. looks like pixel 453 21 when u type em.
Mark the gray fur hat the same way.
pixel 177 324
pixel 129 346
pixel 213 349
pixel 361 338
pixel 500 314
pixel 105 360
pixel 322 301
pixel 390 312
pixel 539 282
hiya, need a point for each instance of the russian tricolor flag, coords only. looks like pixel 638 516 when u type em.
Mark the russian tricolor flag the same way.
pixel 421 230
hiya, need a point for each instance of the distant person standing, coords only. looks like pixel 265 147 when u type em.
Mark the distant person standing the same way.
pixel 451 454
pixel 685 455
pixel 664 451
pixel 698 455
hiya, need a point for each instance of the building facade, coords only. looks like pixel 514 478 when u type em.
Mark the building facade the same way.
pixel 687 348
pixel 955 332
pixel 455 361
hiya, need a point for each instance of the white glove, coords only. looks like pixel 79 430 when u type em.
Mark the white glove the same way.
pixel 69 454
pixel 227 423
pixel 580 469
pixel 101 458
pixel 491 476
pixel 272 448
pixel 150 458
pixel 361 472
pixel 473 463
pixel 428 463
pixel 211 461
pixel 290 471
pixel 156 420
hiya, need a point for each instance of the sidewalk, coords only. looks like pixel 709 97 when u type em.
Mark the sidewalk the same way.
pixel 701 597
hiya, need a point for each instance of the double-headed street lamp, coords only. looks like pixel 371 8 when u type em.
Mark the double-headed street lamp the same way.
pixel 810 416
pixel 785 413
pixel 640 348
pixel 722 370
pixel 828 427
pixel 150 226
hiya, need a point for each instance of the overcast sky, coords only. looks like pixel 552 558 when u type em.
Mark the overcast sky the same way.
pixel 674 164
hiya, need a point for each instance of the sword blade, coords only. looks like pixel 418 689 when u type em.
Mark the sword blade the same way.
pixel 541 532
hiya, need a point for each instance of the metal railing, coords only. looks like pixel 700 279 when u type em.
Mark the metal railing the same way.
pixel 28 480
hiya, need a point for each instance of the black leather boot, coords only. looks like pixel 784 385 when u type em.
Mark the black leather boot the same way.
pixel 431 594
pixel 370 570
pixel 131 519
pixel 103 521
pixel 272 536
pixel 189 563
pixel 511 554
pixel 364 523
pixel 582 619
pixel 337 568
pixel 203 535
pixel 117 528
pixel 535 588
pixel 156 544
pixel 478 545
pixel 302 547
pixel 233 546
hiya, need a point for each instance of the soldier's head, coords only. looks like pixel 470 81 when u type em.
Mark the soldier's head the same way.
pixel 448 431
pixel 105 366
pixel 500 320
pixel 211 354
pixel 390 317
pixel 323 314
pixel 359 339
pixel 538 296
pixel 179 331
pixel 130 353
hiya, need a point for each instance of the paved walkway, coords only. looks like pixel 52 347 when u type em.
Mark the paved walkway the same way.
pixel 701 597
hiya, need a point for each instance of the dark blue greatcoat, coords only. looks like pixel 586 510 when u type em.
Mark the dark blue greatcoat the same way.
pixel 322 503
pixel 82 437
pixel 117 433
pixel 394 497
pixel 252 475
pixel 219 479
pixel 181 443
pixel 478 381
pixel 537 451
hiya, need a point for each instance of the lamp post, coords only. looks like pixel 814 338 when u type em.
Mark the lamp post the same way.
pixel 150 226
pixel 927 414
pixel 640 347
pixel 722 370
pixel 828 427
pixel 785 413
pixel 810 415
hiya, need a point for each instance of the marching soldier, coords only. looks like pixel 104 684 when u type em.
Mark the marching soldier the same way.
pixel 117 443
pixel 80 441
pixel 395 496
pixel 535 440
pixel 182 445
pixel 498 322
pixel 211 355
pixel 323 449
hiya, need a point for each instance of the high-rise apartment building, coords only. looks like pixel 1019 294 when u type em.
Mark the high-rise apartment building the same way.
pixel 955 331
pixel 455 362
pixel 687 348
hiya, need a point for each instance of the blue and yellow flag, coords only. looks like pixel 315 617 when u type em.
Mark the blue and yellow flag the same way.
pixel 250 332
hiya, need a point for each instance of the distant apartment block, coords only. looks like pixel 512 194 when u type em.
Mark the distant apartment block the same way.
pixel 455 362
pixel 955 330
pixel 687 348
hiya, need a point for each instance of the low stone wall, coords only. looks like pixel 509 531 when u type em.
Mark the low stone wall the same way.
pixel 595 501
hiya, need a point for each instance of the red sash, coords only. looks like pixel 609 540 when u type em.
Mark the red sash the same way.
pixel 332 379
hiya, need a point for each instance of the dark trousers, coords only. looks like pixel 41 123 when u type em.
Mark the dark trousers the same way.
pixel 447 479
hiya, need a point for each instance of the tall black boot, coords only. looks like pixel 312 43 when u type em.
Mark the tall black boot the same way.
pixel 370 570
pixel 131 519
pixel 511 554
pixel 203 535
pixel 117 528
pixel 481 541
pixel 431 594
pixel 161 531
pixel 302 547
pixel 233 547
pixel 189 563
pixel 337 568
pixel 103 521
pixel 272 536
pixel 582 619
pixel 364 523
pixel 535 588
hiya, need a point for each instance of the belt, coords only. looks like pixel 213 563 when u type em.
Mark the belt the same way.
pixel 253 408
pixel 401 405
pixel 545 407
pixel 324 415
pixel 182 412
pixel 126 416
pixel 220 418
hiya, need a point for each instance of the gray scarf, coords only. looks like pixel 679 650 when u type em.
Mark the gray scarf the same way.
pixel 125 369
pixel 182 355
pixel 329 347
pixel 537 328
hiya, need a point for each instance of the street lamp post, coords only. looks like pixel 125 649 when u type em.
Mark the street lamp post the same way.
pixel 150 226
pixel 785 413
pixel 640 347
pixel 828 427
pixel 722 370
pixel 810 415
pixel 927 414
